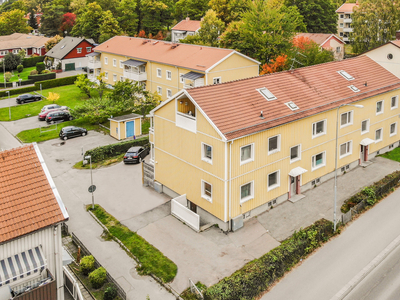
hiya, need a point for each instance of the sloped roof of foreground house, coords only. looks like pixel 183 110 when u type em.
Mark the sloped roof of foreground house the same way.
pixel 29 200
pixel 234 108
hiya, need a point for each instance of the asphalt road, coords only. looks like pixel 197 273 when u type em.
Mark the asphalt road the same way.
pixel 7 141
pixel 382 283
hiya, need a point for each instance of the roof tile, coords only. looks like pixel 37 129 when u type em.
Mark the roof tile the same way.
pixel 187 25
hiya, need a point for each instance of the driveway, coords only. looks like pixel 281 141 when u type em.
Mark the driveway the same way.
pixel 15 127
pixel 9 102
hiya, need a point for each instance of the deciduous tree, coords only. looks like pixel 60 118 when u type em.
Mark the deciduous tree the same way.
pixel 127 17
pixel 13 21
pixel 155 15
pixel 275 65
pixel 194 9
pixel 51 19
pixel 68 22
pixel 229 10
pixel 11 61
pixel 109 27
pixel 52 42
pixel 88 23
pixel 84 84
pixel 32 20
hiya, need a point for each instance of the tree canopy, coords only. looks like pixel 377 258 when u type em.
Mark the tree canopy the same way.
pixel 13 21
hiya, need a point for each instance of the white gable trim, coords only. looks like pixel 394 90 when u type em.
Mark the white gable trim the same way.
pixel 334 36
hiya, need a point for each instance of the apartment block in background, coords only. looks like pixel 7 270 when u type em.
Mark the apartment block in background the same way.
pixel 344 20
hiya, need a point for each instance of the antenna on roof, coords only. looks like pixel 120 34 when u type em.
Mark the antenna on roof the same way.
pixel 295 60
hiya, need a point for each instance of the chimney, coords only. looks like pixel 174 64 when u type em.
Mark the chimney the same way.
pixel 398 35
pixel 187 19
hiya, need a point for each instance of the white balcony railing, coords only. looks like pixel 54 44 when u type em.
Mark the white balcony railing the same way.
pixel 348 29
pixel 345 38
pixel 186 121
pixel 347 20
pixel 94 64
pixel 135 76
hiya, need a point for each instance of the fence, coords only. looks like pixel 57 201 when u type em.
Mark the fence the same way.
pixel 85 251
pixel 195 290
pixel 72 285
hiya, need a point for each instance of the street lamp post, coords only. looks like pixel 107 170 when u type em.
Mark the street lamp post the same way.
pixel 91 189
pixel 9 104
pixel 336 159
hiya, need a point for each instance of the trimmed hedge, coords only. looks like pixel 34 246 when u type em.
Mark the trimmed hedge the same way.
pixel 104 152
pixel 256 276
pixel 18 91
pixel 42 77
pixel 87 264
pixel 98 277
pixel 32 61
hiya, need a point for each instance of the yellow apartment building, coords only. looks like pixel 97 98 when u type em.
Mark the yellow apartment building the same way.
pixel 166 67
pixel 233 150
pixel 344 20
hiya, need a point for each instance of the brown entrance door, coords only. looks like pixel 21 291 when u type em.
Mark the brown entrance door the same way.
pixel 364 153
pixel 193 207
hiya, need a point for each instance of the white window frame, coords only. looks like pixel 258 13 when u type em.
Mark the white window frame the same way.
pixel 251 196
pixel 367 130
pixel 397 102
pixel 341 25
pixel 242 162
pixel 88 49
pixel 79 50
pixel 278 144
pixel 106 75
pixel 159 73
pixel 349 147
pixel 115 77
pixel 159 90
pixel 381 138
pixel 341 16
pixel 121 66
pixel 168 75
pixel 114 62
pixel 321 165
pixel 121 78
pixel 203 153
pixel 349 122
pixel 203 194
pixel 319 134
pixel 382 107
pixel 169 93
pixel 218 79
pixel 106 60
pixel 181 80
pixel 298 153
pixel 152 154
pixel 278 182
pixel 395 129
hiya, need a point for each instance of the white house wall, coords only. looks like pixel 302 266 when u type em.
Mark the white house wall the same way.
pixel 380 55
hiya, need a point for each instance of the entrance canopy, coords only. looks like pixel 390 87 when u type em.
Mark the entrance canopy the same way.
pixel 366 142
pixel 93 54
pixel 297 171
pixel 133 63
pixel 21 265
pixel 192 75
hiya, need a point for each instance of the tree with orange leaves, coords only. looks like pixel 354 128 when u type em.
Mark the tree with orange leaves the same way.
pixel 142 34
pixel 275 65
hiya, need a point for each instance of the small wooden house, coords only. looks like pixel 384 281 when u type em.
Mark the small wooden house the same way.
pixel 126 126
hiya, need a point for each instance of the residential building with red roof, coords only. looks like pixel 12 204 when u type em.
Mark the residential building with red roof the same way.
pixel 31 213
pixel 32 44
pixel 230 151
pixel 327 41
pixel 184 28
pixel 344 20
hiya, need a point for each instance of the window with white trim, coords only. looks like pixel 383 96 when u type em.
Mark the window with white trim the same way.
pixel 295 153
pixel 159 90
pixel 114 77
pixel 106 75
pixel 159 73
pixel 79 50
pixel 273 180
pixel 341 16
pixel 394 103
pixel 338 49
pixel 247 192
pixel 346 119
pixel 181 79
pixel 341 25
pixel 393 129
pixel 246 154
pixel 169 75
pixel 379 107
pixel 345 149
pixel 106 60
pixel 365 126
pixel 206 190
pixel 274 144
pixel 121 78
pixel 121 65
pixel 114 62
pixel 206 153
pixel 151 151
pixel 318 161
pixel 88 49
pixel 169 93
pixel 378 135
pixel 217 80
pixel 318 128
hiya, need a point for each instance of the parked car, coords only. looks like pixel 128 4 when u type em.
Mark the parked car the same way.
pixel 53 106
pixel 136 154
pixel 42 115
pixel 28 98
pixel 58 116
pixel 72 131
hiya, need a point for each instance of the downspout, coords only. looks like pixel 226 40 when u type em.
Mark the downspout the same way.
pixel 57 258
pixel 230 186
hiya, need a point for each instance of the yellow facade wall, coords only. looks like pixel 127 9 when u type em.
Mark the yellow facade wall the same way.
pixel 114 129
pixel 121 126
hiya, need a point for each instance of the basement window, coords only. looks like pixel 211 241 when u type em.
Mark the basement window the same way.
pixel 354 89
pixel 291 105
pixel 346 75
pixel 267 94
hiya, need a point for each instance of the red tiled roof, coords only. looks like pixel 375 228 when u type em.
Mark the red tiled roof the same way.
pixel 187 25
pixel 319 38
pixel 235 107
pixel 396 42
pixel 27 200
pixel 346 8
pixel 183 55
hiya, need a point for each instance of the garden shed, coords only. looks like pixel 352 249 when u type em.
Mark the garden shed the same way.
pixel 125 126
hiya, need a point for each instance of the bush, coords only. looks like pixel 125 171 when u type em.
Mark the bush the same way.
pixel 45 72
pixel 98 277
pixel 110 293
pixel 11 61
pixel 28 62
pixel 33 72
pixel 20 68
pixel 42 77
pixel 7 76
pixel 57 82
pixel 87 264
pixel 104 152
pixel 40 67
pixel 255 277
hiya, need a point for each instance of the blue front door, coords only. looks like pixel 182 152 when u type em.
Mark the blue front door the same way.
pixel 130 129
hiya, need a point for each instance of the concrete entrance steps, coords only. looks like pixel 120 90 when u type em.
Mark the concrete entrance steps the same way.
pixel 296 198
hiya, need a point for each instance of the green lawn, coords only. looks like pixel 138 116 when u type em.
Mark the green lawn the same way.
pixel 393 155
pixel 23 75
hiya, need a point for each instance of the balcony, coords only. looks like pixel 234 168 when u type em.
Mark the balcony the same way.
pixel 347 29
pixel 347 20
pixel 345 39
pixel 186 121
pixel 135 75
pixel 43 288
pixel 94 63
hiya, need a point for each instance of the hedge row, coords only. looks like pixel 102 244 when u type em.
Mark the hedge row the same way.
pixel 104 152
pixel 18 91
pixel 41 77
pixel 379 189
pixel 256 276
pixel 32 61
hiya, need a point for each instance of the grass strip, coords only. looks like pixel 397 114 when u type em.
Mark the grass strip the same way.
pixel 104 163
pixel 393 155
pixel 151 259
pixel 23 75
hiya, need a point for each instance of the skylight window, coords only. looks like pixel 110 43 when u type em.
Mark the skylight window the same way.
pixel 62 46
pixel 291 105
pixel 267 94
pixel 354 89
pixel 346 75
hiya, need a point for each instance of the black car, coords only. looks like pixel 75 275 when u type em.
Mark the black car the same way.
pixel 28 98
pixel 72 131
pixel 136 154
pixel 58 116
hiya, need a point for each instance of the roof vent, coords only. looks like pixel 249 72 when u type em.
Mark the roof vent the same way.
pixel 291 105
pixel 346 75
pixel 262 115
pixel 62 46
pixel 266 93
pixel 354 89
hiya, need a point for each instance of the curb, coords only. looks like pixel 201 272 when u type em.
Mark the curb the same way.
pixel 364 272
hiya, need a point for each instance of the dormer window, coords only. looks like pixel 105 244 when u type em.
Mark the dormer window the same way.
pixel 266 94
pixel 346 75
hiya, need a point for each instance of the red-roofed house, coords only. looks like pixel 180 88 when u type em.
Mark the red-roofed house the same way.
pixel 248 145
pixel 184 28
pixel 344 20
pixel 328 42
pixel 31 213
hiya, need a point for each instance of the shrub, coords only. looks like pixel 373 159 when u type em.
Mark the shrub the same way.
pixel 28 62
pixel 104 152
pixel 57 82
pixel 42 77
pixel 45 72
pixel 110 293
pixel 40 67
pixel 98 277
pixel 7 76
pixel 33 72
pixel 87 264
pixel 11 61
pixel 20 68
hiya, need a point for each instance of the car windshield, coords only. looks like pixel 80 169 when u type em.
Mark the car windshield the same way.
pixel 132 153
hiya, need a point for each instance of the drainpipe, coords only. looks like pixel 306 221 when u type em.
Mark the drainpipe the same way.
pixel 230 187
pixel 58 270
